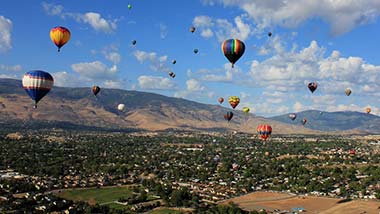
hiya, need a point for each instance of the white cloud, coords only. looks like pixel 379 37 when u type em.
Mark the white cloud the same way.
pixel 342 15
pixel 113 57
pixel 95 20
pixel 7 76
pixel 156 83
pixel 5 34
pixel 157 63
pixel 10 67
pixel 163 31
pixel 94 70
pixel 113 84
pixel 194 85
pixel 65 79
pixel 222 28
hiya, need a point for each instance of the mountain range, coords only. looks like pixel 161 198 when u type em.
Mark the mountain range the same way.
pixel 78 107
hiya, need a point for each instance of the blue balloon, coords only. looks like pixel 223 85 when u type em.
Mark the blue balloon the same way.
pixel 37 84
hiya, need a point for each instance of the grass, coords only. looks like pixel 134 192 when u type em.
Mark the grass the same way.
pixel 98 195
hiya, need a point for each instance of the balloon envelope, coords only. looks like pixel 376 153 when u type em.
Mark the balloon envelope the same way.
pixel 312 86
pixel 293 116
pixel 95 89
pixel 221 100
pixel 234 101
pixel 192 29
pixel 121 107
pixel 195 50
pixel 228 116
pixel 348 91
pixel 37 84
pixel 246 109
pixel 368 110
pixel 60 36
pixel 134 42
pixel 304 120
pixel 264 131
pixel 233 49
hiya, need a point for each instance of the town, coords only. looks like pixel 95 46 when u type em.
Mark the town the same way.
pixel 180 169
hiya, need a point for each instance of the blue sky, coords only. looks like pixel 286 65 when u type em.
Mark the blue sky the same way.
pixel 331 42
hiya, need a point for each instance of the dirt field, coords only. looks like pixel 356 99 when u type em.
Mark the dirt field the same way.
pixel 322 205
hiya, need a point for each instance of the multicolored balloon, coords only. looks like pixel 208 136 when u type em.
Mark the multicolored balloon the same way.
pixel 246 110
pixel 60 36
pixel 264 131
pixel 233 49
pixel 368 110
pixel 228 116
pixel 221 100
pixel 192 29
pixel 348 91
pixel 312 86
pixel 234 101
pixel 292 116
pixel 95 89
pixel 304 120
pixel 37 84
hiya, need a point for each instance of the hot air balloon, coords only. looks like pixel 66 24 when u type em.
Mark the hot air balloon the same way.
pixel 134 42
pixel 304 120
pixel 174 61
pixel 264 131
pixel 368 110
pixel 348 91
pixel 246 110
pixel 233 49
pixel 312 86
pixel 129 6
pixel 234 101
pixel 60 36
pixel 269 34
pixel 37 84
pixel 121 107
pixel 195 51
pixel 228 116
pixel 171 74
pixel 293 116
pixel 95 90
pixel 192 29
pixel 221 100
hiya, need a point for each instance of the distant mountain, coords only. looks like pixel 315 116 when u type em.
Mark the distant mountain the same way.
pixel 335 121
pixel 78 107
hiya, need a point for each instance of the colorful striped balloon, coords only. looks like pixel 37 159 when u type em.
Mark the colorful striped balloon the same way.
pixel 233 49
pixel 264 131
pixel 60 36
pixel 37 84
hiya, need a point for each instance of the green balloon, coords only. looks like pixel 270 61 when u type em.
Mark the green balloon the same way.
pixel 129 6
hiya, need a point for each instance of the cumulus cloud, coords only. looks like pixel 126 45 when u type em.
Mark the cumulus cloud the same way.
pixel 155 83
pixel 342 16
pixel 194 85
pixel 222 28
pixel 111 53
pixel 94 70
pixel 157 63
pixel 5 34
pixel 95 20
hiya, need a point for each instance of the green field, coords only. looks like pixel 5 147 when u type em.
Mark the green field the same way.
pixel 108 195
